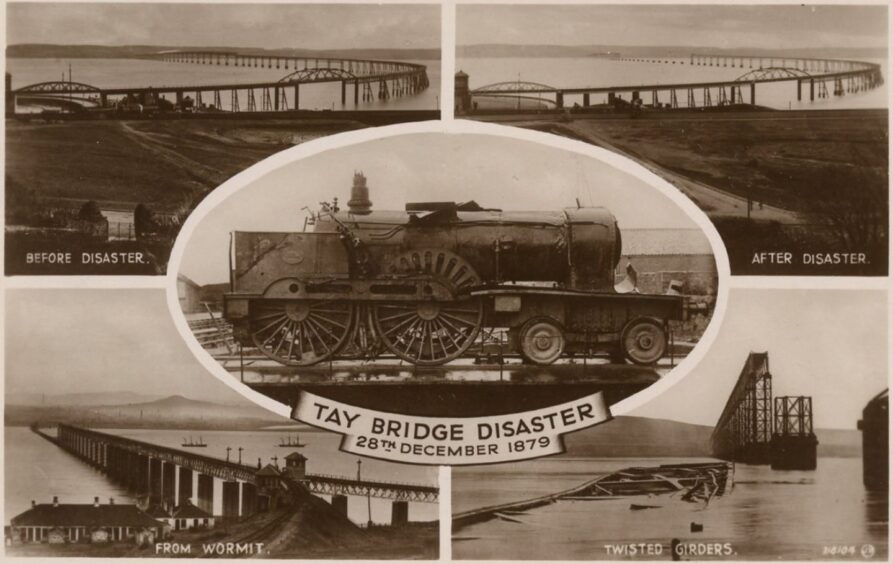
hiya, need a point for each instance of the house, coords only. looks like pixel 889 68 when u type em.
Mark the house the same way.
pixel 188 516
pixel 56 523
pixel 159 513
pixel 189 294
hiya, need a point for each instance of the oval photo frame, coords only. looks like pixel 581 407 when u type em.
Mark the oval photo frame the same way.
pixel 277 163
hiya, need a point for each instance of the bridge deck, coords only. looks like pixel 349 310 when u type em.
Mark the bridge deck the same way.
pixel 659 86
pixel 316 483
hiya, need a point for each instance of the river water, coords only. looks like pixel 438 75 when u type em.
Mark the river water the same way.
pixel 572 72
pixel 37 470
pixel 141 73
pixel 768 515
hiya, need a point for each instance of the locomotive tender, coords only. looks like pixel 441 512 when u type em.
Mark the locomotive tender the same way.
pixel 425 283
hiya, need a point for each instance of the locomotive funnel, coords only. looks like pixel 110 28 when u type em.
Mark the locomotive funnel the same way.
pixel 359 203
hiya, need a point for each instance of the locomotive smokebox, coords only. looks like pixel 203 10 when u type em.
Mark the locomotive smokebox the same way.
pixel 359 203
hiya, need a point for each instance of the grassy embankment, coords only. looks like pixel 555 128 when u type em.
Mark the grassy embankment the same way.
pixel 817 181
pixel 168 165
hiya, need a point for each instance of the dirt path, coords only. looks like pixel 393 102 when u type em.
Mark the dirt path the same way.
pixel 714 201
pixel 161 147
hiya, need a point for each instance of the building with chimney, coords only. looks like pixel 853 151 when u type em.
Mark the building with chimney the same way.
pixel 57 523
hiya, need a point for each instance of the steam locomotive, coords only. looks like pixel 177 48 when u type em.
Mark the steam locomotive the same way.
pixel 428 283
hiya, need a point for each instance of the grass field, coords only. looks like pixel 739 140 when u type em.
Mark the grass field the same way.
pixel 804 182
pixel 155 162
pixel 169 165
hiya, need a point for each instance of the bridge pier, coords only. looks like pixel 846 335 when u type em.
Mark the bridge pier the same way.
pixel 155 480
pixel 230 499
pixel 142 472
pixel 206 493
pixel 559 100
pixel 343 92
pixel 753 93
pixel 399 513
pixel 297 96
pixel 811 90
pixel 356 92
pixel 339 503
pixel 249 499
pixel 184 492
pixel 168 485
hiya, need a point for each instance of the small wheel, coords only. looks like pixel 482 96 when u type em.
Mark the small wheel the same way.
pixel 644 341
pixel 542 341
pixel 301 332
pixel 428 333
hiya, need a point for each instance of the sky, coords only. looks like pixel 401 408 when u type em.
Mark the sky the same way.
pixel 674 25
pixel 270 26
pixel 828 344
pixel 82 341
pixel 494 171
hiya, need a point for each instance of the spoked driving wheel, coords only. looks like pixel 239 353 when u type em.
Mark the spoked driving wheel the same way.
pixel 301 332
pixel 428 333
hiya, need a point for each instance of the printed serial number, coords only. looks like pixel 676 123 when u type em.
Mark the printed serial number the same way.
pixel 865 551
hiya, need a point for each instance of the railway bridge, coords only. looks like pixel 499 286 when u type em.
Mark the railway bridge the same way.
pixel 809 76
pixel 755 428
pixel 167 476
pixel 366 79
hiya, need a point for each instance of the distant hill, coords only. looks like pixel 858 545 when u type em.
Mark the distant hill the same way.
pixel 91 398
pixel 640 437
pixel 174 412
pixel 525 51
pixel 44 50
pixel 643 437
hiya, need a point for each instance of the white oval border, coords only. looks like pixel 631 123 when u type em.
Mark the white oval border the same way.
pixel 347 139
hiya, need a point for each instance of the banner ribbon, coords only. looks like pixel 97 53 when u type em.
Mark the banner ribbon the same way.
pixel 451 440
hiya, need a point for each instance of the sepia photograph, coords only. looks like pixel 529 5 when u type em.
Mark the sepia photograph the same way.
pixel 775 447
pixel 771 118
pixel 447 275
pixel 613 278
pixel 121 117
pixel 119 444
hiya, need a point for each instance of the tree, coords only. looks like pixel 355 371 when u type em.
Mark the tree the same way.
pixel 852 204
pixel 90 212
pixel 143 221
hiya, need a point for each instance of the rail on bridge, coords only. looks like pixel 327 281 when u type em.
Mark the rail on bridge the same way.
pixel 167 476
pixel 368 79
pixel 823 77
pixel 755 429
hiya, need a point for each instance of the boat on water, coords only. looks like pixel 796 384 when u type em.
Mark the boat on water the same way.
pixel 192 443
pixel 293 442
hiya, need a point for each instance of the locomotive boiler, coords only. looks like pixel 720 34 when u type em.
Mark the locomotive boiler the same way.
pixel 436 280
